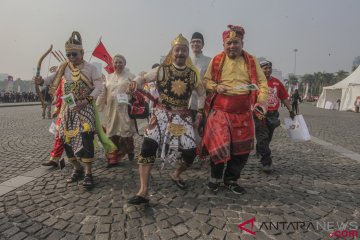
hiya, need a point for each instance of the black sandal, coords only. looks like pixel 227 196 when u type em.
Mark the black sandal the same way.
pixel 180 183
pixel 88 181
pixel 76 175
pixel 137 200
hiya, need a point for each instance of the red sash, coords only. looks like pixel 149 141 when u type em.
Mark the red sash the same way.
pixel 232 104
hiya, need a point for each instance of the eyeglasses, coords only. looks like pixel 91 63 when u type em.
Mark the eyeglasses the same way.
pixel 198 41
pixel 71 54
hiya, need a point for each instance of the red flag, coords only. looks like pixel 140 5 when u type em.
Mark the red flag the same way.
pixel 109 69
pixel 101 53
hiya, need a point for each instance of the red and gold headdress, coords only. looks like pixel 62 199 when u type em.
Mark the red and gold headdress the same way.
pixel 233 32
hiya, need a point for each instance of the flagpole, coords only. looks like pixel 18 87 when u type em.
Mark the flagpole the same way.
pixel 95 48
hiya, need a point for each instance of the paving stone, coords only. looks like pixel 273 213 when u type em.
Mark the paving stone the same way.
pixel 174 220
pixel 194 234
pixel 73 228
pixel 180 229
pixel 217 234
pixel 118 236
pixel 166 234
pixel 56 235
pixel 217 222
pixel 70 236
pixel 10 232
pixel 134 234
pixel 87 228
pixel 43 233
pixel 323 187
pixel 149 229
pixel 103 236
pixel 33 228
pixel 61 224
pixel 19 236
pixel 50 221
pixel 117 227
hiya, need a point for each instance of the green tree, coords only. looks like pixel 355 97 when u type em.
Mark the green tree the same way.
pixel 308 79
pixel 340 75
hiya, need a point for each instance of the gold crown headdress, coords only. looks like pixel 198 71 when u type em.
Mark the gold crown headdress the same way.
pixel 74 42
pixel 180 40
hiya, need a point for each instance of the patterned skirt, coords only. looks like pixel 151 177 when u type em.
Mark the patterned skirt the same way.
pixel 228 134
pixel 73 124
pixel 173 131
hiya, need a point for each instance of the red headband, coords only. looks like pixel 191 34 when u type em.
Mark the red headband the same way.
pixel 233 32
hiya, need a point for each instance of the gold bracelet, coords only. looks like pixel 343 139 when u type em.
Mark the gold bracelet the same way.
pixel 200 111
pixel 90 99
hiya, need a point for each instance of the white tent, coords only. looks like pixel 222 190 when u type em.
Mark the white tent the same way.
pixel 346 90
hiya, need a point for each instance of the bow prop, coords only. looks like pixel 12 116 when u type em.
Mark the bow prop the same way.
pixel 38 68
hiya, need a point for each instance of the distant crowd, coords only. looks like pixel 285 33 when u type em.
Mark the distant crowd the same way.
pixel 15 97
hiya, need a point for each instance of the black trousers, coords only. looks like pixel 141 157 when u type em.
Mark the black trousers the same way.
pixel 149 148
pixel 232 171
pixel 264 130
pixel 295 107
pixel 88 147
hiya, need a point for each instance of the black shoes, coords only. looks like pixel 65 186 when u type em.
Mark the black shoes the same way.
pixel 137 200
pixel 213 186
pixel 232 186
pixel 235 188
pixel 50 164
pixel 180 183
pixel 267 168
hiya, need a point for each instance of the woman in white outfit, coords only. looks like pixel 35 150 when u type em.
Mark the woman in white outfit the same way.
pixel 113 101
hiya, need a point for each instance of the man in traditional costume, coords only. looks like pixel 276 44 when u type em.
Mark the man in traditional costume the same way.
pixel 82 84
pixel 230 80
pixel 171 125
pixel 264 128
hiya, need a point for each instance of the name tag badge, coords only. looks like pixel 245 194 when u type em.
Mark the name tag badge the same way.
pixel 52 128
pixel 122 98
pixel 69 100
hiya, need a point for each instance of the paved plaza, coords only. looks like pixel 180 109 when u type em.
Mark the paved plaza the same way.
pixel 314 188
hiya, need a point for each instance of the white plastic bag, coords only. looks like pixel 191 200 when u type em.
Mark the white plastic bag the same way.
pixel 297 129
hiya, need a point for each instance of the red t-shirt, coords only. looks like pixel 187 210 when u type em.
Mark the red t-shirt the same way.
pixel 276 93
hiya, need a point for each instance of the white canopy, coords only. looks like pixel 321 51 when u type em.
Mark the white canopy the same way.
pixel 346 90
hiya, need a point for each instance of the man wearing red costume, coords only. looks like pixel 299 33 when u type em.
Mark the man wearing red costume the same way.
pixel 236 86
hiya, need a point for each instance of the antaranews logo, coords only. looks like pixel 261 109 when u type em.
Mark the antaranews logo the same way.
pixel 336 229
pixel 251 221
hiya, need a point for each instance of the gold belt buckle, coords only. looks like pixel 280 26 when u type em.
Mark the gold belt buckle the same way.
pixel 176 129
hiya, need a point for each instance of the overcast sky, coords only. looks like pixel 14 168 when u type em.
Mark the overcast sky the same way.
pixel 325 32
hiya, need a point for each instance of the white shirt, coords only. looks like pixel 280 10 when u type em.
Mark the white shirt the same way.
pixel 202 63
pixel 89 70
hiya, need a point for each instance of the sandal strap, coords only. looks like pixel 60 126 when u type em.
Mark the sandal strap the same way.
pixel 88 179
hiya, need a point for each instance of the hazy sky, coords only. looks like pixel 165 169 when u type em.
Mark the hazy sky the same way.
pixel 326 32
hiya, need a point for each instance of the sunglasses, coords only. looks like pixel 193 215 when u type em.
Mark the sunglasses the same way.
pixel 72 54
